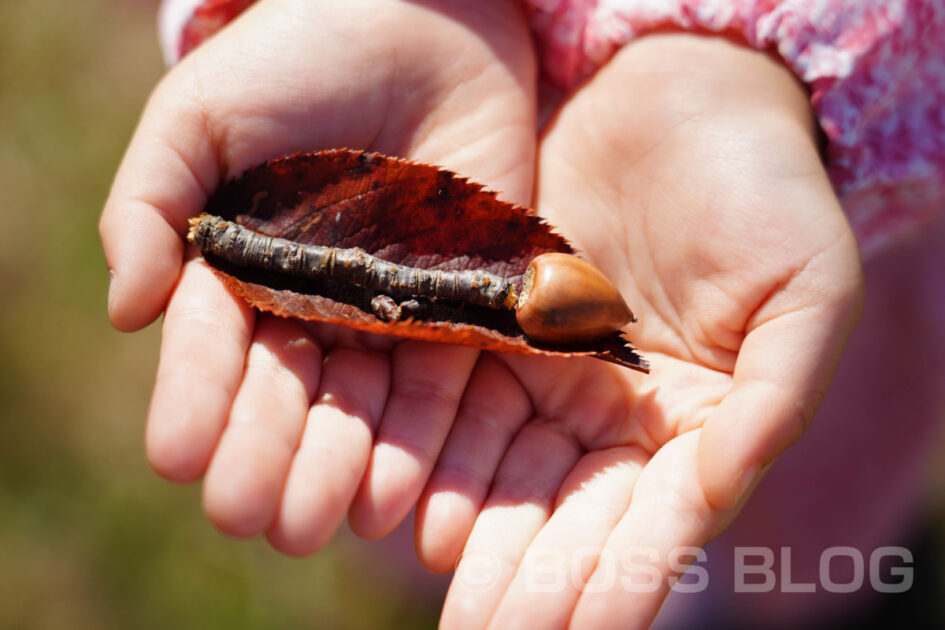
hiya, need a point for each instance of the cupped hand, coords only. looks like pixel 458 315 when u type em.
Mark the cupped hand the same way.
pixel 294 425
pixel 687 170
pixel 575 492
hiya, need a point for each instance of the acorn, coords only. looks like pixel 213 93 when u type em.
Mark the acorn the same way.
pixel 568 301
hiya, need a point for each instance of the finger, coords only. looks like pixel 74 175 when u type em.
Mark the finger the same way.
pixel 783 369
pixel 667 521
pixel 492 411
pixel 251 462
pixel 334 451
pixel 205 336
pixel 427 383
pixel 562 556
pixel 164 177
pixel 539 459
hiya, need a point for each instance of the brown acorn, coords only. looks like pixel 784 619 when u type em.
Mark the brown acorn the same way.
pixel 568 301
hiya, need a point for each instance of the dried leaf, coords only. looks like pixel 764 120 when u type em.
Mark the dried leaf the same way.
pixel 403 212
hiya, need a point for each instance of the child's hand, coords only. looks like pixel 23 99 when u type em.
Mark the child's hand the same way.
pixel 688 170
pixel 450 84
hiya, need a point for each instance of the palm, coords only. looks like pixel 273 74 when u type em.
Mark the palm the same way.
pixel 743 273
pixel 276 82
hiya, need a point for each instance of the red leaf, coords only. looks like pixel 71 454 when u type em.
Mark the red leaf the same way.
pixel 403 212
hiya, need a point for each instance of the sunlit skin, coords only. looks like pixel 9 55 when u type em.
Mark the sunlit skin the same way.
pixel 687 170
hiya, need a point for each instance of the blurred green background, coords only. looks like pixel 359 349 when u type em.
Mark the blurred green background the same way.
pixel 90 537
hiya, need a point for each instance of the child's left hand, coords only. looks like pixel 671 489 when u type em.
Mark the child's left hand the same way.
pixel 688 170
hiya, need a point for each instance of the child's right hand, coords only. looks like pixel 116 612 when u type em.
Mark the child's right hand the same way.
pixel 446 83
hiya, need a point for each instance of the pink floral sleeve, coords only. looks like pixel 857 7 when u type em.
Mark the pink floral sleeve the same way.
pixel 875 69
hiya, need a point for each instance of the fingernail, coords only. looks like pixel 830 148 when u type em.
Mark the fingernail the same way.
pixel 747 479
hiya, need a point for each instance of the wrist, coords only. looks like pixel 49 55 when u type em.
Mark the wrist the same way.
pixel 717 76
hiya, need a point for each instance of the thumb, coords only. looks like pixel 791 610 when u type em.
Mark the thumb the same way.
pixel 785 363
pixel 163 179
